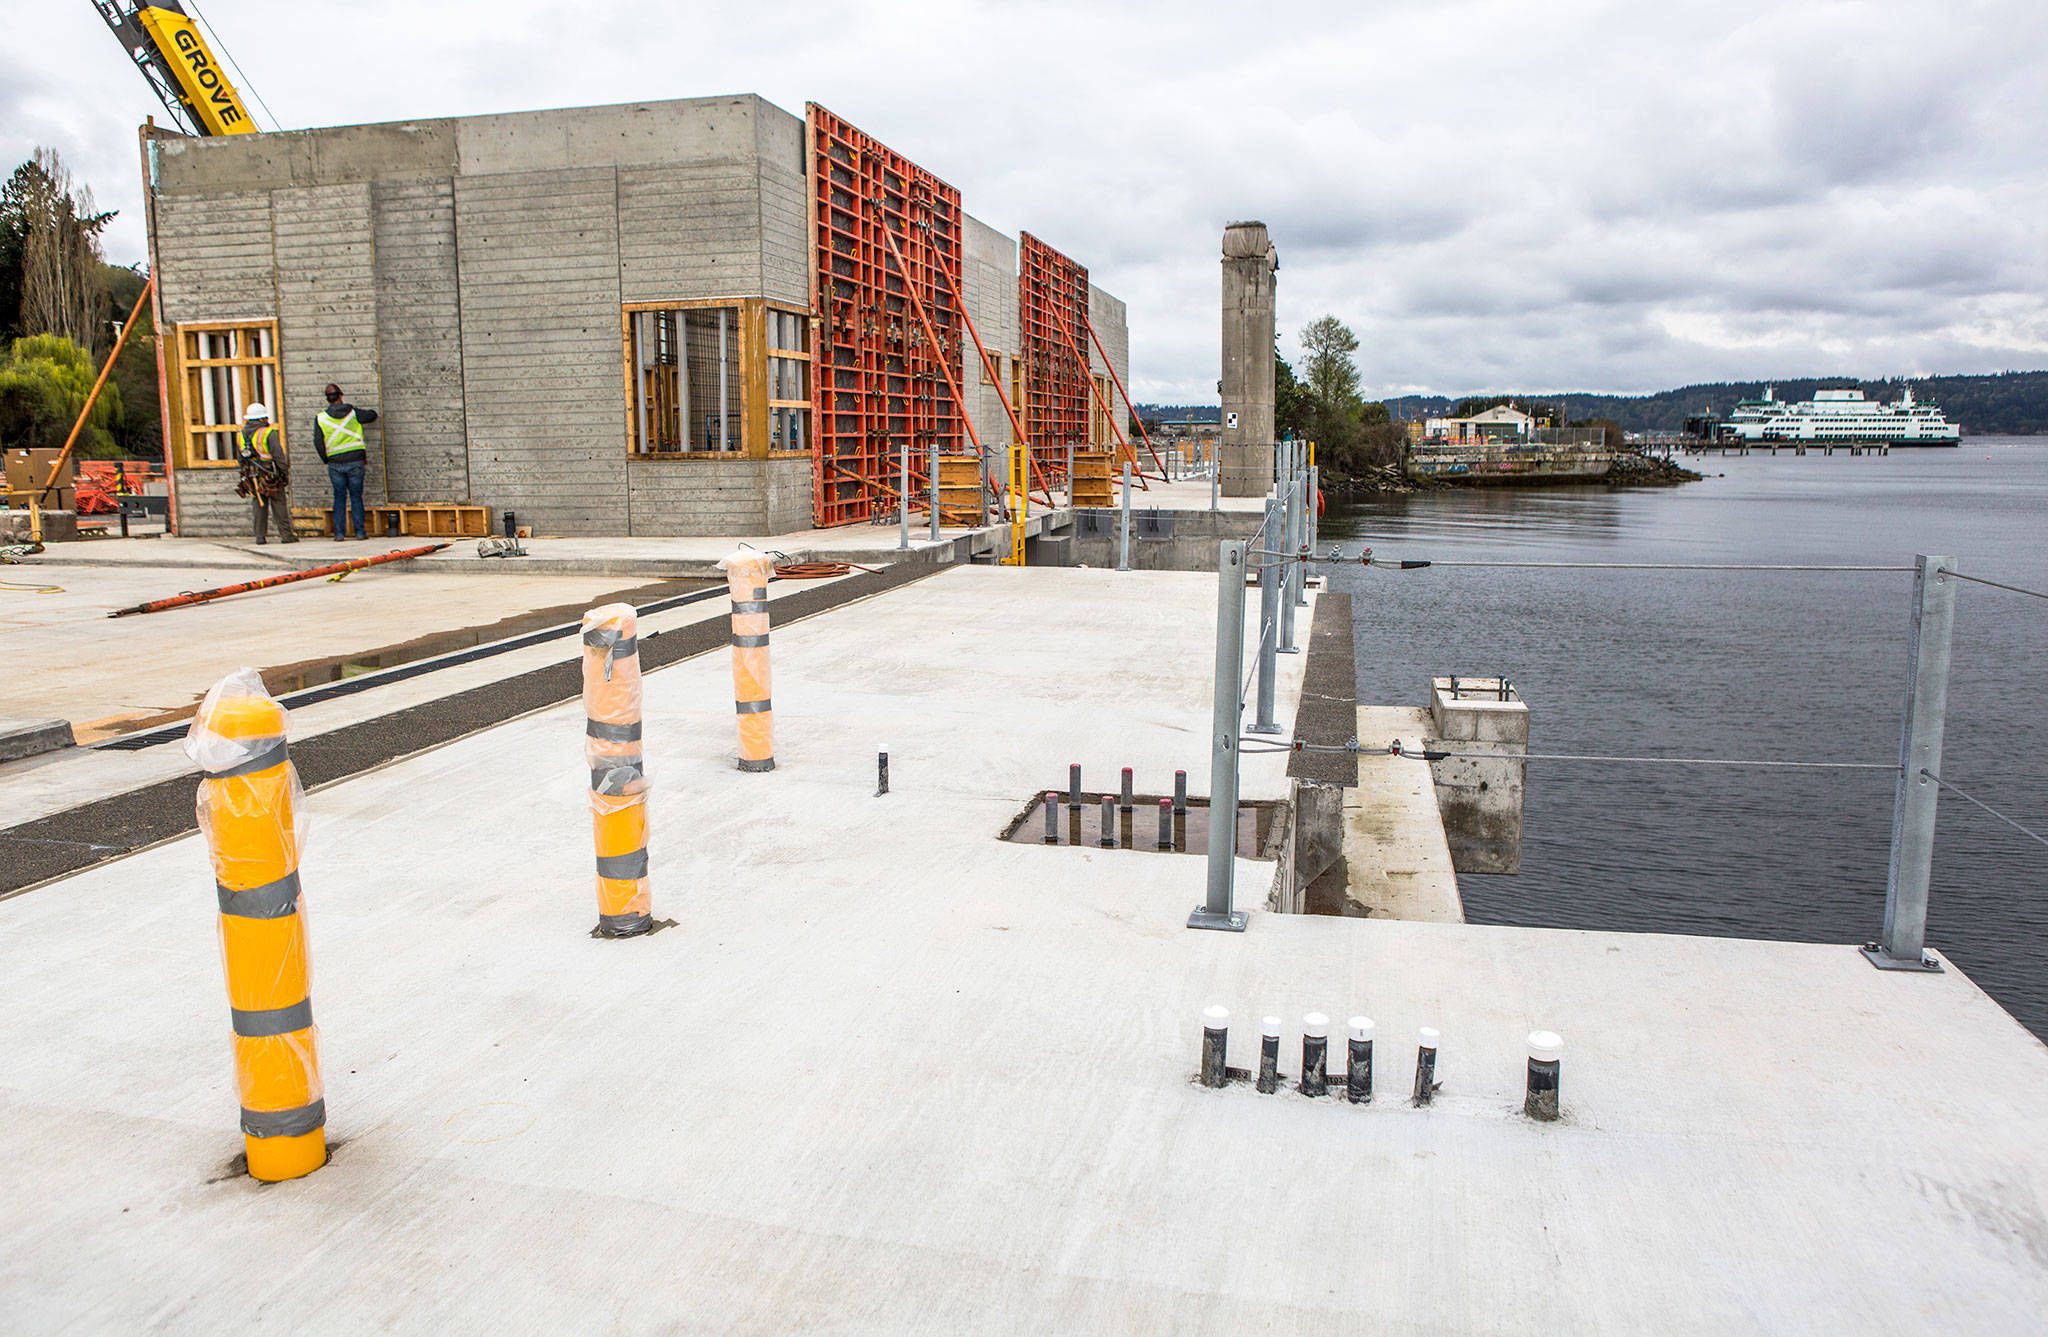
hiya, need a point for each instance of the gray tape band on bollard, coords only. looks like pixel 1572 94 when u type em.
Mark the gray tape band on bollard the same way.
pixel 760 707
pixel 757 764
pixel 612 733
pixel 751 642
pixel 274 755
pixel 273 1021
pixel 624 926
pixel 272 900
pixel 623 867
pixel 612 780
pixel 741 607
pixel 284 1123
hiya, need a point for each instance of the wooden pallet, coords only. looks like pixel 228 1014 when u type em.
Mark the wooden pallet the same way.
pixel 959 490
pixel 1094 482
pixel 410 520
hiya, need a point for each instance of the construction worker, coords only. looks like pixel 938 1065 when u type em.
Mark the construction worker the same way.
pixel 266 474
pixel 339 439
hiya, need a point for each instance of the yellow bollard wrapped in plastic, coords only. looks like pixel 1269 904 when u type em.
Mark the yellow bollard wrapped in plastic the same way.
pixel 746 575
pixel 618 775
pixel 250 807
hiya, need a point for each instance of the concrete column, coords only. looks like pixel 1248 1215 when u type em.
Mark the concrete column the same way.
pixel 1480 800
pixel 1246 456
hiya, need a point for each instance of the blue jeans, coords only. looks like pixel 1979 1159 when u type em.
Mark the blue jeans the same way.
pixel 347 478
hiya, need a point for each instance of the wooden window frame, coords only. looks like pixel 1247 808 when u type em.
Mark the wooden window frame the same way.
pixel 186 453
pixel 753 353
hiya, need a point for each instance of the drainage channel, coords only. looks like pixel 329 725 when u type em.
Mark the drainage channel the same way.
pixel 328 679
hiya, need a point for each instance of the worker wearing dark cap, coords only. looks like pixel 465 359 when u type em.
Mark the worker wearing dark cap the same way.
pixel 338 436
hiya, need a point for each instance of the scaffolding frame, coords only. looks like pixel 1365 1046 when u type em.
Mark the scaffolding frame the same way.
pixel 879 381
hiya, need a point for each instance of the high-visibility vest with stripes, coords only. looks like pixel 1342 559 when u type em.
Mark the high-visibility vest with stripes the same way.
pixel 260 439
pixel 341 436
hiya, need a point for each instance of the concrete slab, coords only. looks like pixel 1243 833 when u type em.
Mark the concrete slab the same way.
pixel 889 1074
pixel 31 738
pixel 1398 859
pixel 106 672
pixel 37 787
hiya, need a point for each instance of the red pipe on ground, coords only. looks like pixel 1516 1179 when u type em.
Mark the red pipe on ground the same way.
pixel 206 596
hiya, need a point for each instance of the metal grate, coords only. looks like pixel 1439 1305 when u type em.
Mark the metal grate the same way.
pixel 878 381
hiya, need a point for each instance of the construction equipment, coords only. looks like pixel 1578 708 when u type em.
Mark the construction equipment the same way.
pixel 207 596
pixel 166 46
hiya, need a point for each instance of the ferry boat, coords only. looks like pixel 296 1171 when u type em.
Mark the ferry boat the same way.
pixel 1842 416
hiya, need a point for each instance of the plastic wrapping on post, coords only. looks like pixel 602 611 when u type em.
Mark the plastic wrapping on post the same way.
pixel 251 811
pixel 746 576
pixel 618 775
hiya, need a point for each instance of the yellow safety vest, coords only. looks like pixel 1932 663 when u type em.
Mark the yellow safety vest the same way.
pixel 341 436
pixel 260 439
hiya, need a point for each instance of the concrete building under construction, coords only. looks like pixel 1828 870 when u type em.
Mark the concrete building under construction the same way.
pixel 704 316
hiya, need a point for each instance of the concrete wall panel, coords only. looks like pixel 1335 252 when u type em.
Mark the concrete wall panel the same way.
pixel 216 255
pixel 689 230
pixel 327 320
pixel 687 498
pixel 988 282
pixel 784 224
pixel 425 456
pixel 541 370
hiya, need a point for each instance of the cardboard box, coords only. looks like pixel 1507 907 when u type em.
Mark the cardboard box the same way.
pixel 28 468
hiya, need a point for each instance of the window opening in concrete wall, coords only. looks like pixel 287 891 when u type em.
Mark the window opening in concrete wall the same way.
pixel 789 380
pixel 685 381
pixel 1099 432
pixel 223 367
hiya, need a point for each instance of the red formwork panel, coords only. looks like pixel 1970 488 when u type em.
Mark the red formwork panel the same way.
pixel 1052 307
pixel 878 380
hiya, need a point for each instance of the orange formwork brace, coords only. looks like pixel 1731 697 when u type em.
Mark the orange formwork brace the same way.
pixel 1109 414
pixel 747 573
pixel 988 367
pixel 249 809
pixel 1136 417
pixel 618 775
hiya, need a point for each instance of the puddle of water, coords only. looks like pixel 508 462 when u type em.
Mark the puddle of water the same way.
pixel 1138 829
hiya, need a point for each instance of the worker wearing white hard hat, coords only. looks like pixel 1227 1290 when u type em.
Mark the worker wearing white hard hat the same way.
pixel 266 474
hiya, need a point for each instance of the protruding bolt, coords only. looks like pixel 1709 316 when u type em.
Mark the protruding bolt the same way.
pixel 1052 817
pixel 1425 1065
pixel 1269 1055
pixel 1074 785
pixel 1215 1043
pixel 1315 1055
pixel 1126 804
pixel 1165 824
pixel 1358 1062
pixel 1546 1056
pixel 1180 793
pixel 882 772
pixel 1108 840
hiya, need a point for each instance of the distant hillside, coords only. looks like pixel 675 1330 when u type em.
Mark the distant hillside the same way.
pixel 2011 403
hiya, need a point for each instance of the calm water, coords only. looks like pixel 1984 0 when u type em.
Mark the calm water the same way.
pixel 1787 665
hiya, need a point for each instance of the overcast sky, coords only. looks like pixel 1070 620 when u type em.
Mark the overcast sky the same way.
pixel 1495 194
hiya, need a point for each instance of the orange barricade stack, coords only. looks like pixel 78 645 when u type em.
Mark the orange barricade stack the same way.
pixel 618 776
pixel 249 810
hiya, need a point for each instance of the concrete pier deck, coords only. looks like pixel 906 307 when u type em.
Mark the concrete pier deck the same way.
pixel 888 1073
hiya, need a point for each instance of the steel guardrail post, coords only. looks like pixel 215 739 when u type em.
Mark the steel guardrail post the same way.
pixel 1269 619
pixel 1904 944
pixel 1123 546
pixel 1216 911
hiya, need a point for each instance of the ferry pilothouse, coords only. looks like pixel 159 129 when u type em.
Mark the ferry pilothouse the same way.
pixel 1843 416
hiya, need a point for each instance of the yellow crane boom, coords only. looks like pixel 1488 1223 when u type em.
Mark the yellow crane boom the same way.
pixel 166 46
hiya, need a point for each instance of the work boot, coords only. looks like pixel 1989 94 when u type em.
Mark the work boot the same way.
pixel 291 538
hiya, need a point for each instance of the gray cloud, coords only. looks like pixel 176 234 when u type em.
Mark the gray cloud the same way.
pixel 1586 194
